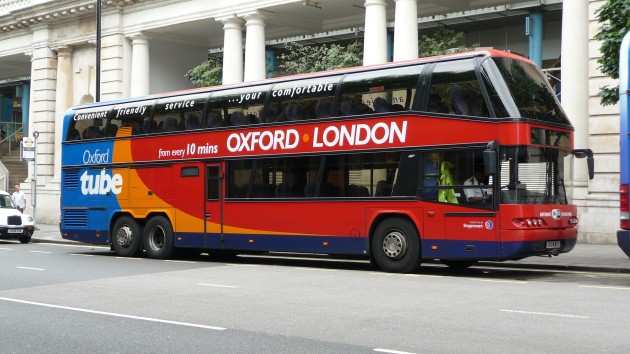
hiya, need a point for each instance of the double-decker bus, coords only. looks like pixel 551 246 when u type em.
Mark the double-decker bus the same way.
pixel 457 158
pixel 623 235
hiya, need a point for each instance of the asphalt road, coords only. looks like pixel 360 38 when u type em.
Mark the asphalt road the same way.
pixel 77 299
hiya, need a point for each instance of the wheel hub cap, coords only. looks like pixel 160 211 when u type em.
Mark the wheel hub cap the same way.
pixel 395 245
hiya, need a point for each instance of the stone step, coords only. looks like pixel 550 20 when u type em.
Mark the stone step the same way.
pixel 18 170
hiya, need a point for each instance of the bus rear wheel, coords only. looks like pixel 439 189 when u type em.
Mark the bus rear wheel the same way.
pixel 158 238
pixel 396 246
pixel 127 237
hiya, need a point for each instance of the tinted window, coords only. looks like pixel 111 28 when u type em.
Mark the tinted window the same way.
pixel 455 90
pixel 530 91
pixel 131 118
pixel 241 106
pixel 88 124
pixel 341 176
pixel 381 91
pixel 177 113
pixel 300 100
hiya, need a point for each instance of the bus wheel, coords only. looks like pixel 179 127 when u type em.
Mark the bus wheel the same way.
pixel 458 264
pixel 127 237
pixel 396 246
pixel 158 238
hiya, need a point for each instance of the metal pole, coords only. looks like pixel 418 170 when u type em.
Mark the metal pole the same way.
pixel 34 181
pixel 98 51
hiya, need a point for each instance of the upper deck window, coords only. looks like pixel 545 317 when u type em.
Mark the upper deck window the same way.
pixel 379 91
pixel 131 119
pixel 530 91
pixel 177 113
pixel 240 106
pixel 88 124
pixel 300 100
pixel 455 90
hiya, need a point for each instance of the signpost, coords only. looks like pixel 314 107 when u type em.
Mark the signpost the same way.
pixel 29 153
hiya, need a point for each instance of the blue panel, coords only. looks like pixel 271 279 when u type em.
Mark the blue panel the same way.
pixel 623 239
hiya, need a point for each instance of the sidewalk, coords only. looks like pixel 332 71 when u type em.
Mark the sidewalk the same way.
pixel 584 257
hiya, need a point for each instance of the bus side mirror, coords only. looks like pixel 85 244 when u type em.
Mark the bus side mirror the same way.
pixel 590 161
pixel 490 158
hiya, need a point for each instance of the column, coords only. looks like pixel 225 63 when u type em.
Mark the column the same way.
pixel 406 30
pixel 139 65
pixel 63 101
pixel 535 29
pixel 575 94
pixel 375 38
pixel 232 50
pixel 255 47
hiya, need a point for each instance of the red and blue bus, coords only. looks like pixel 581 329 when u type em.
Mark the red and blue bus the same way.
pixel 623 235
pixel 457 158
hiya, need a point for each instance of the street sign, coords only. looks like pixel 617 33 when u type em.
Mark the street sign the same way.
pixel 28 149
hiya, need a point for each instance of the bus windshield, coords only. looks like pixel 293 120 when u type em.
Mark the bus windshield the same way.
pixel 533 175
pixel 529 90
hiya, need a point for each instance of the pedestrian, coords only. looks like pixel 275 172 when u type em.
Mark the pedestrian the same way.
pixel 19 199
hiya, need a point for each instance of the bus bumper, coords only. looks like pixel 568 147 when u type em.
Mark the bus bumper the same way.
pixel 519 244
pixel 623 240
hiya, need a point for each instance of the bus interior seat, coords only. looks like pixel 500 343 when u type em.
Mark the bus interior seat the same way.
pixel 282 190
pixel 238 118
pixel 74 134
pixel 251 118
pixel 149 126
pixel 215 119
pixel 110 130
pixel 322 109
pixel 192 122
pixel 435 104
pixel 381 105
pixel 171 124
pixel 383 189
pixel 294 112
pixel 92 132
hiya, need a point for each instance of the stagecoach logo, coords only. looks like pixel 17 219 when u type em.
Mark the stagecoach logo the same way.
pixel 489 225
pixel 556 214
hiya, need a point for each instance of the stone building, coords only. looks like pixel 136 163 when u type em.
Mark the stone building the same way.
pixel 48 63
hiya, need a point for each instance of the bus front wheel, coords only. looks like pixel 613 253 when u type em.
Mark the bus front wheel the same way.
pixel 127 237
pixel 396 246
pixel 158 238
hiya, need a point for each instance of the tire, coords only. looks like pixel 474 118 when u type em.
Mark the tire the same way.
pixel 158 238
pixel 458 265
pixel 25 239
pixel 127 237
pixel 396 246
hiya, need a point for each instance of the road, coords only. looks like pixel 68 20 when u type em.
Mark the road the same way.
pixel 75 299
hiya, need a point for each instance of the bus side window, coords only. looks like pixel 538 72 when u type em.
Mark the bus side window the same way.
pixel 301 100
pixel 455 90
pixel 383 91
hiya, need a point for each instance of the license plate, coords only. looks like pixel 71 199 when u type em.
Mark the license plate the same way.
pixel 15 231
pixel 553 244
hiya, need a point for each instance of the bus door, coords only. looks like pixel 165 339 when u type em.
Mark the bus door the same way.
pixel 213 211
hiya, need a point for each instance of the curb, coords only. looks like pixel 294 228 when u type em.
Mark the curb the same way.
pixel 506 264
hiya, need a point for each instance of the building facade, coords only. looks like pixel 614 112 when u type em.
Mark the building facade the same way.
pixel 48 50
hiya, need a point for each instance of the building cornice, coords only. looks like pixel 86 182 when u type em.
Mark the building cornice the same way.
pixel 18 15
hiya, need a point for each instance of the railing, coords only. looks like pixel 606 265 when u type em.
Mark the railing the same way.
pixel 4 177
pixel 553 75
pixel 10 132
